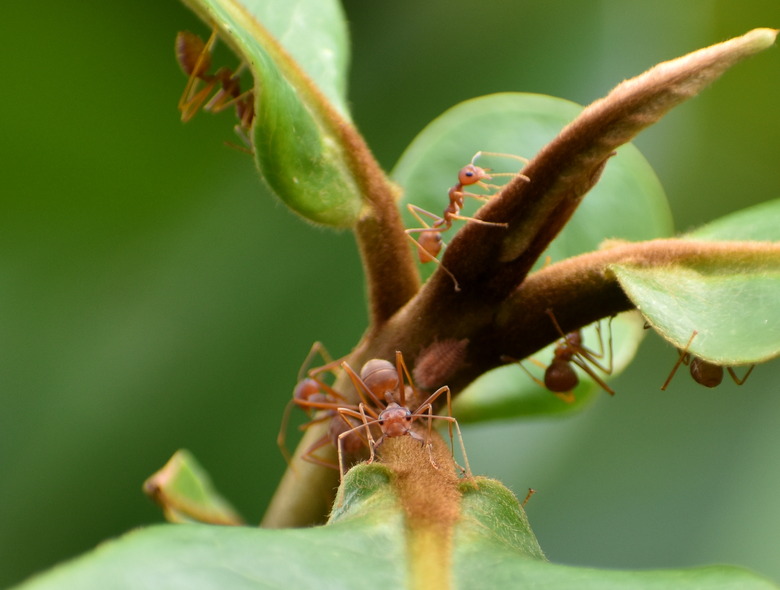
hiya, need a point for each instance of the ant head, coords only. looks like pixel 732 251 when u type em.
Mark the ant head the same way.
pixel 560 376
pixel 471 174
pixel 574 339
pixel 380 376
pixel 394 420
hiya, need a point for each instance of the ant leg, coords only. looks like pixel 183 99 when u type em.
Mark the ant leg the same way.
pixel 566 396
pixel 310 457
pixel 582 356
pixel 428 250
pixel 519 363
pixel 736 379
pixel 281 438
pixel 451 215
pixel 597 358
pixel 592 374
pixel 187 45
pixel 365 425
pixel 684 359
pixel 367 396
pixel 467 469
pixel 428 405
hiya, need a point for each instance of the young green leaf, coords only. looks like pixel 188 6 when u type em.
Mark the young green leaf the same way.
pixel 184 491
pixel 297 55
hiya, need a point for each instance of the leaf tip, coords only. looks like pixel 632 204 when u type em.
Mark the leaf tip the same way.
pixel 760 39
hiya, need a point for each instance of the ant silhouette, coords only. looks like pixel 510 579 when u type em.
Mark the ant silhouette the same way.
pixel 560 377
pixel 383 395
pixel 703 372
pixel 429 242
pixel 194 57
pixel 312 394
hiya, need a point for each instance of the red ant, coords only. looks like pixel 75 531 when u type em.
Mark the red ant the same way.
pixel 379 385
pixel 429 243
pixel 194 57
pixel 560 378
pixel 703 372
pixel 311 394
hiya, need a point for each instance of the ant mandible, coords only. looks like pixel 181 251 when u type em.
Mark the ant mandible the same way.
pixel 379 385
pixel 194 57
pixel 703 372
pixel 429 242
pixel 560 377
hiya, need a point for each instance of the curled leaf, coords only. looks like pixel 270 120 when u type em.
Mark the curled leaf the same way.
pixel 300 113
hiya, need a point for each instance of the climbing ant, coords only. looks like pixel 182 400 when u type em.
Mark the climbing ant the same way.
pixel 560 378
pixel 703 372
pixel 429 243
pixel 311 394
pixel 194 57
pixel 379 385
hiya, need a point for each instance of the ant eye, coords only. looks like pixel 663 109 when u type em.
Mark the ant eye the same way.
pixel 381 422
pixel 469 174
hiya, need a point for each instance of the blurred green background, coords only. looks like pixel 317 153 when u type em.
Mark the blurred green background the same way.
pixel 154 296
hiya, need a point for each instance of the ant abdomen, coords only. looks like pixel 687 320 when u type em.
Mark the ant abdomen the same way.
pixel 560 376
pixel 380 376
pixel 705 373
pixel 430 244
pixel 307 389
pixel 190 54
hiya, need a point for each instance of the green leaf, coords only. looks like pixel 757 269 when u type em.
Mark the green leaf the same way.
pixel 627 203
pixel 299 105
pixel 185 492
pixel 760 223
pixel 729 303
pixel 364 546
pixel 731 307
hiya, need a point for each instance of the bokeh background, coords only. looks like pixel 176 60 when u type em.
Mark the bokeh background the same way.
pixel 154 296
